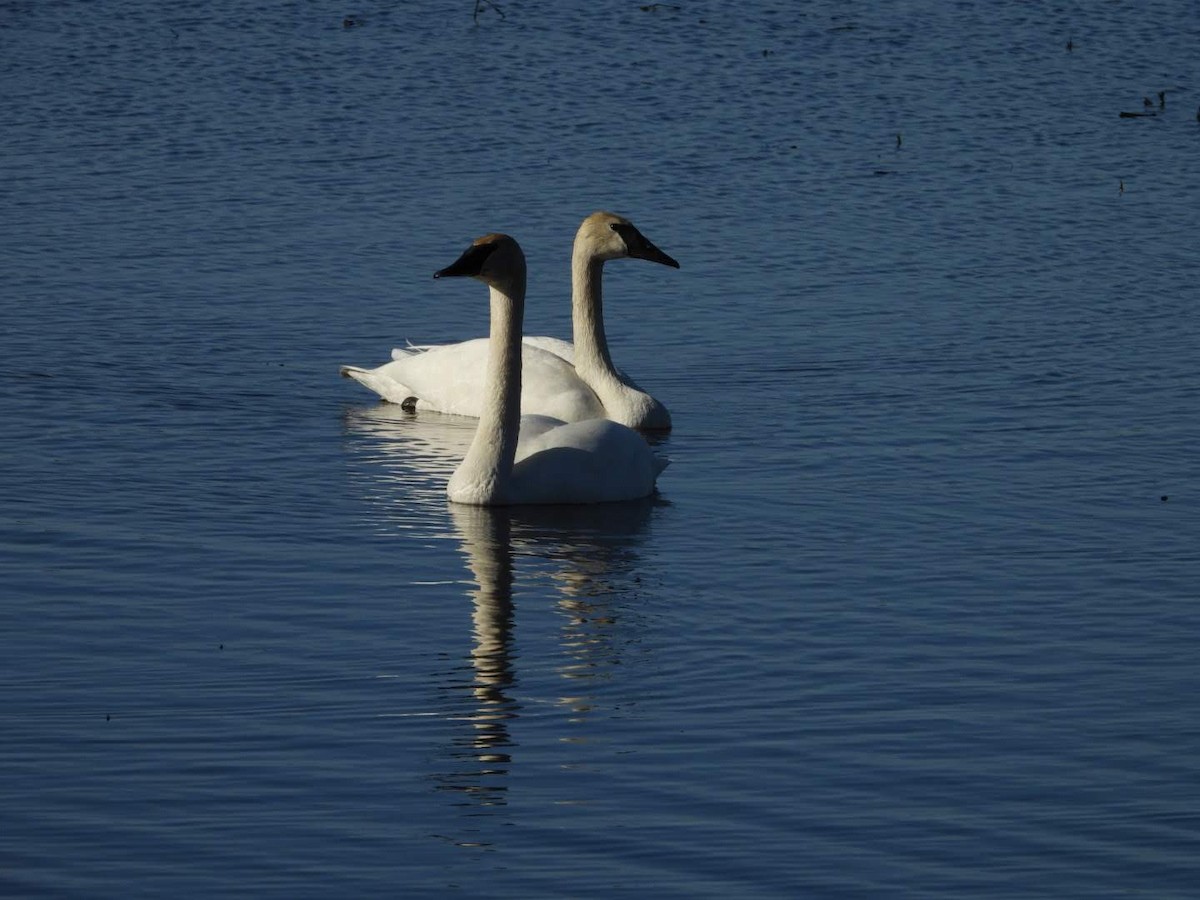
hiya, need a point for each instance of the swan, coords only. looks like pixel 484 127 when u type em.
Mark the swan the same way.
pixel 564 381
pixel 535 459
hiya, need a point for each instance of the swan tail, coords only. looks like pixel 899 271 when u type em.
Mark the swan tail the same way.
pixel 387 388
pixel 660 463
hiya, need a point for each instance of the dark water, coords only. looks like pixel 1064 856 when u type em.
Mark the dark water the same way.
pixel 915 612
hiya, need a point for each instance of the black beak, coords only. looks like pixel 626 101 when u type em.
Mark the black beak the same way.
pixel 641 248
pixel 469 264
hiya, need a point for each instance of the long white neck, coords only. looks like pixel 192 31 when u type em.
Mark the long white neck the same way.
pixel 622 400
pixel 592 359
pixel 484 475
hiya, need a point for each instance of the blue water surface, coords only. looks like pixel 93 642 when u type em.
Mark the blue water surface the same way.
pixel 914 613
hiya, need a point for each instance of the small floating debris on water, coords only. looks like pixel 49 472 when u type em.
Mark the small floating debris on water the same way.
pixel 1163 498
pixel 1148 108
pixel 351 22
pixel 1121 189
pixel 1070 45
pixel 655 7
pixel 899 141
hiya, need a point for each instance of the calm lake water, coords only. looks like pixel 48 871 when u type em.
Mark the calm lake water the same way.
pixel 915 612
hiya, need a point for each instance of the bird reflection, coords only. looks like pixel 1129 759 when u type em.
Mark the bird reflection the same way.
pixel 594 558
pixel 587 555
pixel 589 552
pixel 486 543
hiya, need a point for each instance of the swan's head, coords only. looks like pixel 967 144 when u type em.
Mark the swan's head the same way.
pixel 495 259
pixel 605 236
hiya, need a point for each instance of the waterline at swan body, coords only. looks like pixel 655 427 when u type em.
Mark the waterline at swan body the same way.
pixel 536 459
pixel 572 382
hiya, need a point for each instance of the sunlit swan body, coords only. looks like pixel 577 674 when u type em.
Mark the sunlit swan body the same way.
pixel 568 382
pixel 536 459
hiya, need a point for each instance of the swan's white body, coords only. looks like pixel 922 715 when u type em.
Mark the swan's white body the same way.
pixel 568 382
pixel 536 459
pixel 449 378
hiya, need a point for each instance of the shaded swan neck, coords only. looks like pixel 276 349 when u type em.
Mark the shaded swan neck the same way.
pixel 587 314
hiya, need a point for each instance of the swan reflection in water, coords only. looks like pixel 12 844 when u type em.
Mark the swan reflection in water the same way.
pixel 586 556
pixel 486 543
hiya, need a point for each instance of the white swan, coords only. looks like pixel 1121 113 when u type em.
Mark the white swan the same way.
pixel 571 383
pixel 536 459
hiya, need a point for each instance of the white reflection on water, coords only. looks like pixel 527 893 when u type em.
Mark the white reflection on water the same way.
pixel 586 558
pixel 482 756
pixel 412 457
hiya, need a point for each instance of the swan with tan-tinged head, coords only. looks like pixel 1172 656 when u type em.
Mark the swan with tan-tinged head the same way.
pixel 535 459
pixel 568 382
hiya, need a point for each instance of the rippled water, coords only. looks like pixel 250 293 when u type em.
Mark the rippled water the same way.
pixel 915 611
